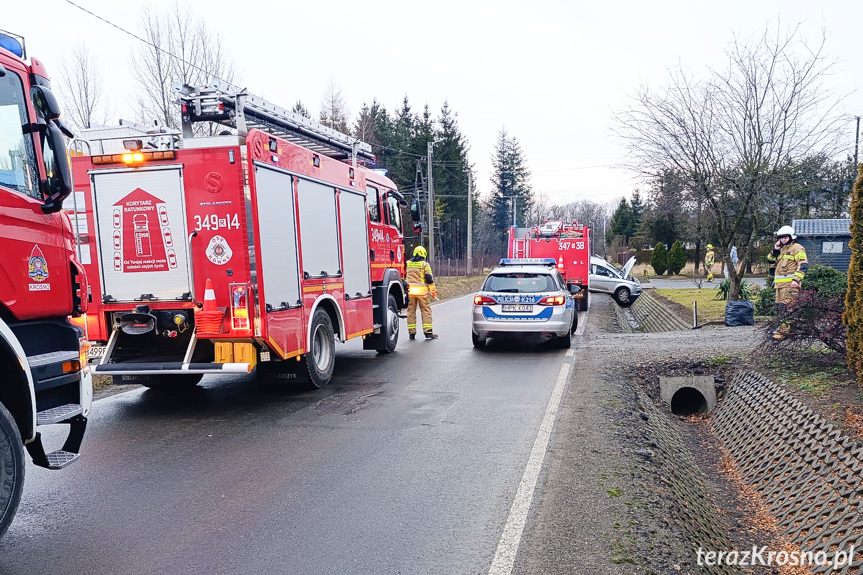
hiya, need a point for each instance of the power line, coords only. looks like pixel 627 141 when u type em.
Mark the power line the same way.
pixel 159 48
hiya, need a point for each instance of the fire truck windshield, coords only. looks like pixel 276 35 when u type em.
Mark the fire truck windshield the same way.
pixel 17 156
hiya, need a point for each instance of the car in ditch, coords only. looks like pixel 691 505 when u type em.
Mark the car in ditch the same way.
pixel 605 278
pixel 525 296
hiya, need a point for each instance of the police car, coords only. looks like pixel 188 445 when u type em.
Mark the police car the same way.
pixel 525 296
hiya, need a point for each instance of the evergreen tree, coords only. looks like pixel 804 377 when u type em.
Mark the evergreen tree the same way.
pixel 300 108
pixel 853 315
pixel 676 258
pixel 510 181
pixel 659 259
pixel 450 182
pixel 621 223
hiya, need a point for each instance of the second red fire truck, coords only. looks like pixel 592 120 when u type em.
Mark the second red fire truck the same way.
pixel 255 248
pixel 567 242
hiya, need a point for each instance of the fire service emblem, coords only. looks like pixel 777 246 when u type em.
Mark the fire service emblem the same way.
pixel 218 251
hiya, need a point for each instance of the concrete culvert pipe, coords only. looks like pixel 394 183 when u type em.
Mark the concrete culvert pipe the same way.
pixel 688 400
pixel 688 395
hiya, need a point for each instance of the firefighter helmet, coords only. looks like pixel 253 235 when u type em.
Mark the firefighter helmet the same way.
pixel 786 231
pixel 709 246
pixel 420 251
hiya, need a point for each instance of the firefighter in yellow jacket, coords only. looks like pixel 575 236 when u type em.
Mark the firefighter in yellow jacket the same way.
pixel 791 266
pixel 709 260
pixel 421 289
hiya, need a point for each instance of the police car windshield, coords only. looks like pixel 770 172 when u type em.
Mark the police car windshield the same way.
pixel 520 283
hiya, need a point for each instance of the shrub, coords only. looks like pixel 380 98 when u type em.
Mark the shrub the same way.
pixel 853 316
pixel 747 291
pixel 812 317
pixel 765 301
pixel 825 280
pixel 659 260
pixel 676 258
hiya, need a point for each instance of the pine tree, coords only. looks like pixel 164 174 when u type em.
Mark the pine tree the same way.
pixel 300 108
pixel 853 315
pixel 621 222
pixel 450 182
pixel 510 181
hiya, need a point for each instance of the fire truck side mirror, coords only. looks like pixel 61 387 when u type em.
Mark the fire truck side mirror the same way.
pixel 415 211
pixel 45 102
pixel 58 183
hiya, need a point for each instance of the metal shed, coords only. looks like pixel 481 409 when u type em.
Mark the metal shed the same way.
pixel 826 241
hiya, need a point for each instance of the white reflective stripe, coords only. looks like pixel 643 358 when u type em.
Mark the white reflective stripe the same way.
pixel 783 277
pixel 209 294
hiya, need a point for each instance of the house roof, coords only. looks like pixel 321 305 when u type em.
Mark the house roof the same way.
pixel 822 228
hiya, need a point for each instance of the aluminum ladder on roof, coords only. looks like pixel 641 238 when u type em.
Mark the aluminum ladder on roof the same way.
pixel 239 110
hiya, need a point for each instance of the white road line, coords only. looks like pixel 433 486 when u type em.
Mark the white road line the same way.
pixel 570 352
pixel 582 323
pixel 507 547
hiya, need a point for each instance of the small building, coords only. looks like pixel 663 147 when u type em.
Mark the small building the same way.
pixel 826 241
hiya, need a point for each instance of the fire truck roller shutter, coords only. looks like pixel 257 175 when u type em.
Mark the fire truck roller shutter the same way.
pixel 276 256
pixel 139 214
pixel 319 230
pixel 355 244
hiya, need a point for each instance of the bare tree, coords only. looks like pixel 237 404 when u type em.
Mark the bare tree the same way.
pixel 82 87
pixel 732 135
pixel 178 48
pixel 334 110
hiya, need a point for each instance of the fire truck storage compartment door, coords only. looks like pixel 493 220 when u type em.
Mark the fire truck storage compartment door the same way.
pixel 319 229
pixel 355 243
pixel 277 260
pixel 141 224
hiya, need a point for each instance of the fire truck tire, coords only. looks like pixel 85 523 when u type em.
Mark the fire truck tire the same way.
pixel 321 358
pixel 11 468
pixel 582 303
pixel 391 326
pixel 622 297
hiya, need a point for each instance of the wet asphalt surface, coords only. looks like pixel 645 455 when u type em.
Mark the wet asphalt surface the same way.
pixel 405 463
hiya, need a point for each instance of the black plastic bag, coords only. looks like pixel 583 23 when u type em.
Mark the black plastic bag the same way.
pixel 740 312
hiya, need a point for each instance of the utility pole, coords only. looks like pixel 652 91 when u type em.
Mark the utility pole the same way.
pixel 469 224
pixel 431 204
pixel 857 142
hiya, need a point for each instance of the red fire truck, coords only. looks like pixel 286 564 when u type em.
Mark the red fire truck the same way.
pixel 42 355
pixel 568 243
pixel 255 248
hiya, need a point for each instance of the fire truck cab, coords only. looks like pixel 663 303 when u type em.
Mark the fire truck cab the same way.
pixel 46 380
pixel 255 248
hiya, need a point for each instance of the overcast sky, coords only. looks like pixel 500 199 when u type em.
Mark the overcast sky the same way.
pixel 551 73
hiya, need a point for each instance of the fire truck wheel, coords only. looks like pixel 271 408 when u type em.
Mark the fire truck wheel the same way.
pixel 391 326
pixel 11 468
pixel 621 296
pixel 582 303
pixel 321 358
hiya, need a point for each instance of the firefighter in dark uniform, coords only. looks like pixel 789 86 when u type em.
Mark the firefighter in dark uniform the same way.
pixel 421 289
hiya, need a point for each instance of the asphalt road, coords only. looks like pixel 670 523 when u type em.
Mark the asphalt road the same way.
pixel 407 463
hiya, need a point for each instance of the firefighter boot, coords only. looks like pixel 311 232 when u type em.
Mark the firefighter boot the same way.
pixel 430 335
pixel 412 335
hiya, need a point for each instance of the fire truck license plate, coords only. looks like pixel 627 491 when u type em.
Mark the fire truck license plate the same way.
pixel 517 307
pixel 96 352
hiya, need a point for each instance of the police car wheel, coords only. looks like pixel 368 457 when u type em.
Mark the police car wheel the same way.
pixel 321 358
pixel 478 342
pixel 391 326
pixel 11 468
pixel 564 341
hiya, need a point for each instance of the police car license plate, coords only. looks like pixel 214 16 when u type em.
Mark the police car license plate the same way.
pixel 517 307
pixel 96 352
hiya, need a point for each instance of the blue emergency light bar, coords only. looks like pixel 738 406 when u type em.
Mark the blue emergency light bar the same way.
pixel 528 261
pixel 13 43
